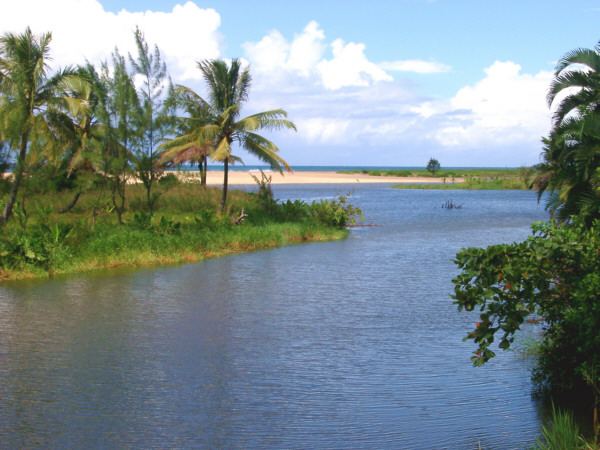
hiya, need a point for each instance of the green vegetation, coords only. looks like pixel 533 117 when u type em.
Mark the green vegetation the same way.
pixel 188 225
pixel 562 432
pixel 476 179
pixel 216 122
pixel 553 278
pixel 88 153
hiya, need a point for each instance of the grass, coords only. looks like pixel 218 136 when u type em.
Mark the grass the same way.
pixel 187 226
pixel 474 179
pixel 562 432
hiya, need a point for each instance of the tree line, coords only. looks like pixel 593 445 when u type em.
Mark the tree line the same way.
pixel 99 127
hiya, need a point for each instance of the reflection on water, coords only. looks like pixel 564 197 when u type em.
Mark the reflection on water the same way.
pixel 341 344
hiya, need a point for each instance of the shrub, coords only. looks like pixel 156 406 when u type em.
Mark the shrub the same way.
pixel 337 213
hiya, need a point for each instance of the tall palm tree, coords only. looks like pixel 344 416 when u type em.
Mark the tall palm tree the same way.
pixel 228 88
pixel 33 102
pixel 578 74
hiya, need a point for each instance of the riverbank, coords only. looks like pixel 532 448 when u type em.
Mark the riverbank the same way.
pixel 123 247
pixel 187 226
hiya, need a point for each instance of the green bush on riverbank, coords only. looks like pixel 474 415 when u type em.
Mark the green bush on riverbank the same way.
pixel 188 226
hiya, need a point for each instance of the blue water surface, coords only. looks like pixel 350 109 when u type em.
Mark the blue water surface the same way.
pixel 347 344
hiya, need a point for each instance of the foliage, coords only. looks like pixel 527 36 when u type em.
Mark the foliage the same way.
pixel 35 105
pixel 188 226
pixel 553 276
pixel 228 90
pixel 561 433
pixel 571 153
pixel 265 193
pixel 337 213
pixel 433 166
pixel 152 119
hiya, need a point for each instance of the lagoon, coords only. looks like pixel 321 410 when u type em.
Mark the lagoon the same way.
pixel 346 344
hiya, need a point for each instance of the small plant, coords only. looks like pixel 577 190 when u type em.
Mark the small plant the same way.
pixel 265 193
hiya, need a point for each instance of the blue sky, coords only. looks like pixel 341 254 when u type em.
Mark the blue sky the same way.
pixel 391 83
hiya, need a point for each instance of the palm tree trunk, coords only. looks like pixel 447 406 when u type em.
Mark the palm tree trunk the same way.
pixel 17 176
pixel 203 168
pixel 225 171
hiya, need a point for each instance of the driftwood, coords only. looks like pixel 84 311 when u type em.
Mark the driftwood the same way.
pixel 241 218
pixel 451 205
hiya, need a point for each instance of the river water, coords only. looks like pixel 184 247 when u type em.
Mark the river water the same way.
pixel 348 344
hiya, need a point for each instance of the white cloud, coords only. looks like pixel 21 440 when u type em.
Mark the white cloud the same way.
pixel 415 65
pixel 304 57
pixel 184 35
pixel 343 103
pixel 349 67
pixel 506 107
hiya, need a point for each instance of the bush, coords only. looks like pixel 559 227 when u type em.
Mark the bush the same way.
pixel 336 213
pixel 554 277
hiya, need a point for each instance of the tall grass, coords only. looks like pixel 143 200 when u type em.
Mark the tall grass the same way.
pixel 188 226
pixel 562 432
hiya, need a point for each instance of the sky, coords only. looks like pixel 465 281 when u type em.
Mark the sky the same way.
pixel 380 83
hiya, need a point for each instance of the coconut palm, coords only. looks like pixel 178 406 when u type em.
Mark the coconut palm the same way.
pixel 187 147
pixel 571 155
pixel 33 103
pixel 578 74
pixel 228 88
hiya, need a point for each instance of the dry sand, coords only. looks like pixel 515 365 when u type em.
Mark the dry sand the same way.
pixel 245 177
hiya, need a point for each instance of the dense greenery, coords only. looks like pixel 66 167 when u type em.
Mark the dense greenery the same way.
pixel 571 154
pixel 93 128
pixel 188 225
pixel 553 278
pixel 89 148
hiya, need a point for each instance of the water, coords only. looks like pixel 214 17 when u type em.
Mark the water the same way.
pixel 347 344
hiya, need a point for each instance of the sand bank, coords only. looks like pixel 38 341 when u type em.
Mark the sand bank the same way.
pixel 245 177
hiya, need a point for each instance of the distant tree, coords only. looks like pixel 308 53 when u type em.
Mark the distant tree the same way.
pixel 433 166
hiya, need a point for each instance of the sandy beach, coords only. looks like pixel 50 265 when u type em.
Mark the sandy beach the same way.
pixel 301 177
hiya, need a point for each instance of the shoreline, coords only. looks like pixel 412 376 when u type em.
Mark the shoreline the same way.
pixel 215 178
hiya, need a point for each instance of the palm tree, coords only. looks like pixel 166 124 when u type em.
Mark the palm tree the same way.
pixel 33 103
pixel 228 88
pixel 187 146
pixel 571 155
pixel 578 74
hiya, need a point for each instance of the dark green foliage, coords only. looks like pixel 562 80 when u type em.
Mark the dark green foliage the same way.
pixel 433 166
pixel 38 246
pixel 553 276
pixel 294 211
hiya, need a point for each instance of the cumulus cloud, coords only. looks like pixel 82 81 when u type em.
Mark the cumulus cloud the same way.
pixel 184 35
pixel 305 57
pixel 504 108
